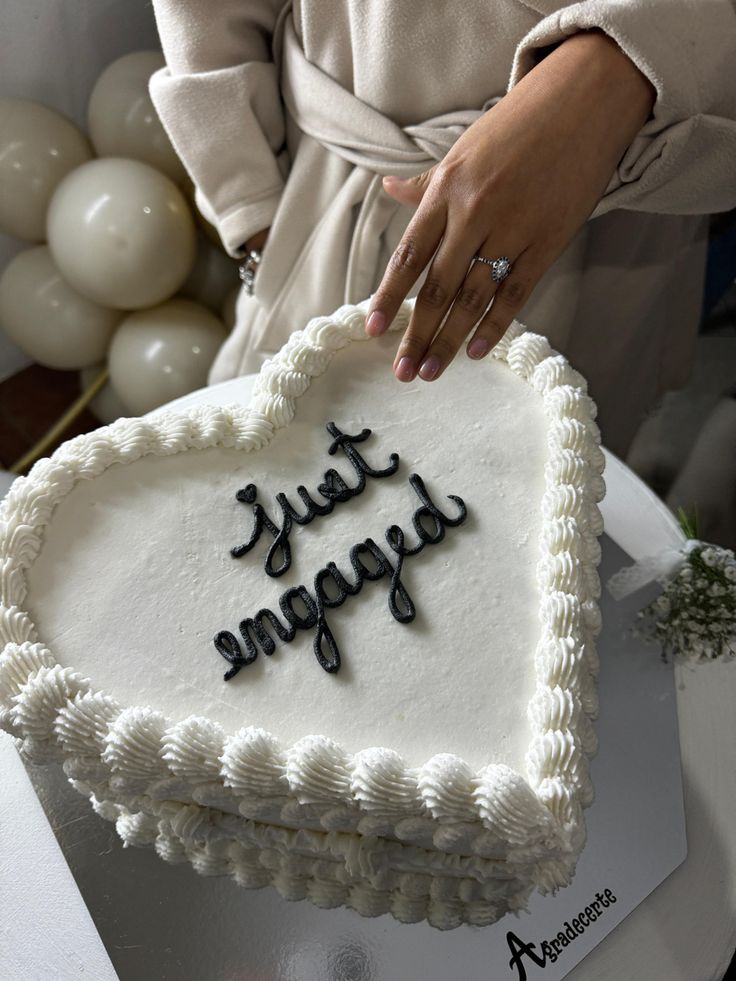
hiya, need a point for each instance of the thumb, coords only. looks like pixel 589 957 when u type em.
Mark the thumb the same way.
pixel 409 190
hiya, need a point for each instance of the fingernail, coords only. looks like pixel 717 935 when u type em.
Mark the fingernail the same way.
pixel 390 178
pixel 478 348
pixel 376 324
pixel 405 369
pixel 430 368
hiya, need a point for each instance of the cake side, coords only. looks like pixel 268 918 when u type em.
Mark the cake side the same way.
pixel 369 874
pixel 373 793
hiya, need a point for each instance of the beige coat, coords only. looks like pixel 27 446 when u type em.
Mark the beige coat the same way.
pixel 286 116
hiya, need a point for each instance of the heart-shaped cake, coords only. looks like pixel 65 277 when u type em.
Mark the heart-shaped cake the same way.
pixel 340 641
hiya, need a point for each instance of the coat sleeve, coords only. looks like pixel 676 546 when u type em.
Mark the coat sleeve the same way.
pixel 218 99
pixel 683 160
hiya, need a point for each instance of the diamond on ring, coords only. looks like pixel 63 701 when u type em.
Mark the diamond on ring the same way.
pixel 500 267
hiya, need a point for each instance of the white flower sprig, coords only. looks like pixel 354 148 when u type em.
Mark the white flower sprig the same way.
pixel 694 619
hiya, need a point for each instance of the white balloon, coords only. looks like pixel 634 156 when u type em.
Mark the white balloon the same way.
pixel 38 147
pixel 121 233
pixel 228 311
pixel 47 318
pixel 122 119
pixel 163 352
pixel 105 406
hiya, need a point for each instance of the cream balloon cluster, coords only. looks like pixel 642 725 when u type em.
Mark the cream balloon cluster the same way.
pixel 119 267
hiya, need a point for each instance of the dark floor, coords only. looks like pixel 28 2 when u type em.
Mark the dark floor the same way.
pixel 25 419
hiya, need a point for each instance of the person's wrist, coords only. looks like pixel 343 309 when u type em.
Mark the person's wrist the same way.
pixel 600 56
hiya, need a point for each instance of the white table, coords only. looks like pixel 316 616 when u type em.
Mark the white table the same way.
pixel 160 922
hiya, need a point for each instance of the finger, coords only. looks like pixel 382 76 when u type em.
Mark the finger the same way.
pixel 509 298
pixel 409 190
pixel 417 246
pixel 469 305
pixel 444 279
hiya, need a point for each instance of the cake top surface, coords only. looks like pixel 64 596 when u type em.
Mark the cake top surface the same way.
pixel 136 576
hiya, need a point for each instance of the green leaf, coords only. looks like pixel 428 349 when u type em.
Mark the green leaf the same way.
pixel 688 521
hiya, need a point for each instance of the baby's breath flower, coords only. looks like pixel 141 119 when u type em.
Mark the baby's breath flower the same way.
pixel 694 618
pixel 662 604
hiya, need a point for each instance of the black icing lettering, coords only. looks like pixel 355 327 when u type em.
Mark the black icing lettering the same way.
pixel 303 610
pixel 261 520
pixel 312 509
pixel 334 489
pixel 431 511
pixel 346 442
pixel 253 632
pixel 280 546
pixel 361 570
pixel 332 574
pixel 298 594
pixel 330 661
pixel 397 590
pixel 227 645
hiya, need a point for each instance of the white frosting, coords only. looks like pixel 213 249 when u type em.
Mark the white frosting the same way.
pixel 16 626
pixel 318 770
pixel 447 784
pixel 193 748
pixel 253 763
pixel 82 725
pixel 18 662
pixel 134 743
pixel 39 701
pixel 381 781
pixel 115 554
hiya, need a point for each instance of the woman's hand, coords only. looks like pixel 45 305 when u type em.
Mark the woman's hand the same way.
pixel 519 182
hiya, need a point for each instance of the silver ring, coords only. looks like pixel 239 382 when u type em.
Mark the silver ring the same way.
pixel 248 268
pixel 500 267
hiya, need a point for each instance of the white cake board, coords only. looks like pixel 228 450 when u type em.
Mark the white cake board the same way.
pixel 45 931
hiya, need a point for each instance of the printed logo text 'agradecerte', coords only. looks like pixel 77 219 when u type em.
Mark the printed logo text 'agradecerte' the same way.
pixel 523 952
